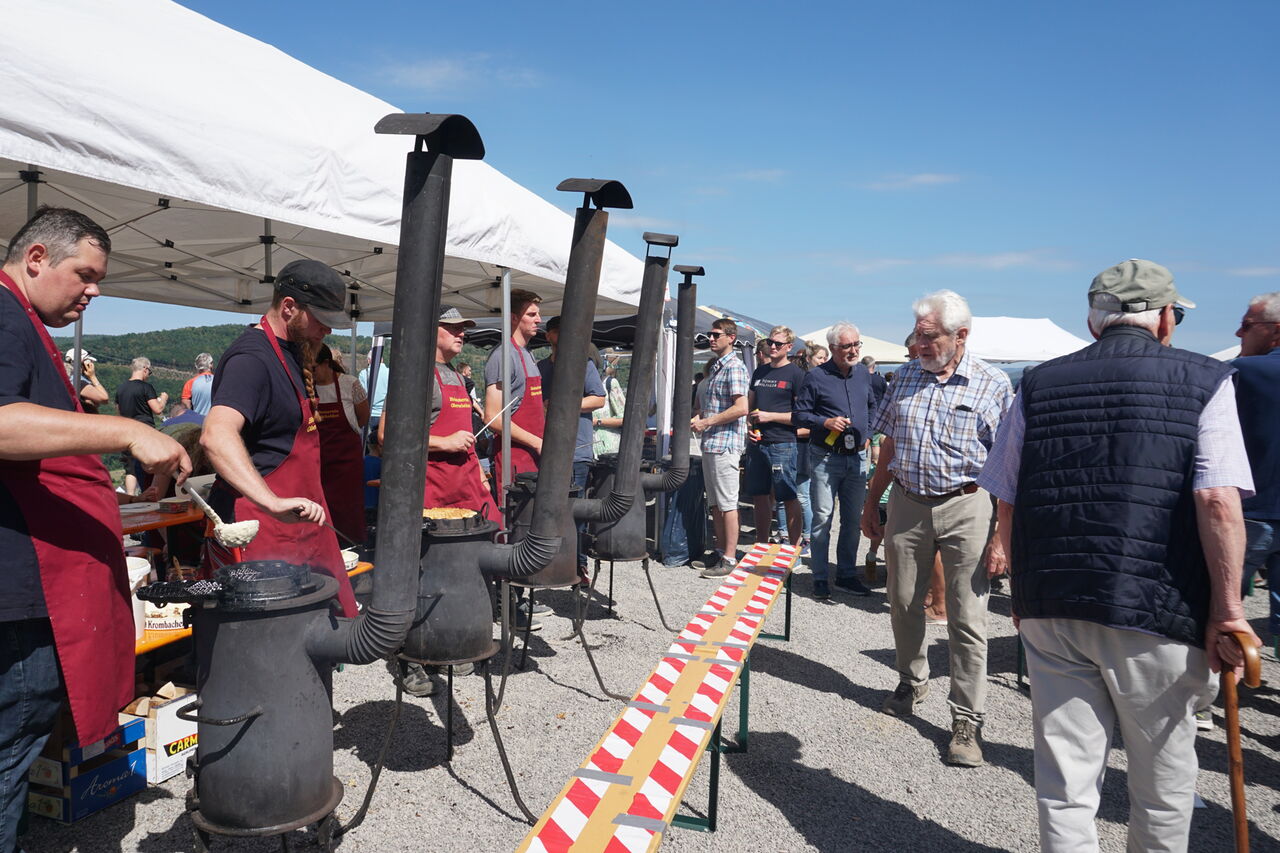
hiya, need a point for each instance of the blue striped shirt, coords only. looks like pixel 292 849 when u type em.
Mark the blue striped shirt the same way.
pixel 942 431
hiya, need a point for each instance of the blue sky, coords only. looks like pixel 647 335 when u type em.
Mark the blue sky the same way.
pixel 837 160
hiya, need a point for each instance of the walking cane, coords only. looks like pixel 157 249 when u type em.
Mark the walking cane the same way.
pixel 1235 762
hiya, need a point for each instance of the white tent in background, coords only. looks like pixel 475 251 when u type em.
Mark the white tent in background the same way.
pixel 1227 354
pixel 882 351
pixel 214 159
pixel 1011 339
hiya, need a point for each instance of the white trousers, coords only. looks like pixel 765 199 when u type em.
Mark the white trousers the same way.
pixel 1085 677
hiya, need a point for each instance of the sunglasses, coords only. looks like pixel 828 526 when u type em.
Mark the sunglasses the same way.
pixel 1178 313
pixel 772 343
pixel 714 335
pixel 455 329
pixel 854 345
pixel 1249 324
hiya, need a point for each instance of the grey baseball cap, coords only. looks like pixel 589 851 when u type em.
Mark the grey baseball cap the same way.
pixel 1135 285
pixel 318 288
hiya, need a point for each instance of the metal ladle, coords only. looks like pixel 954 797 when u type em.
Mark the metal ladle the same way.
pixel 234 535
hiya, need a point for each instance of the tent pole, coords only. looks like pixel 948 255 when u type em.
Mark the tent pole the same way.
pixel 506 390
pixel 33 204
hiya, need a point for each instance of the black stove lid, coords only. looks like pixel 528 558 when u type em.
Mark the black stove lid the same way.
pixel 253 584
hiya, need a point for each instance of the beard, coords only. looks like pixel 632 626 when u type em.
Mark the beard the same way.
pixel 938 361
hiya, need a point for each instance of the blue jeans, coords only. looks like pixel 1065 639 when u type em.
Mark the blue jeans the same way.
pixel 832 476
pixel 802 489
pixel 581 470
pixel 1262 551
pixel 30 696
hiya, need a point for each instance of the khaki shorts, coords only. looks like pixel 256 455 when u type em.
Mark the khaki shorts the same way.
pixel 720 473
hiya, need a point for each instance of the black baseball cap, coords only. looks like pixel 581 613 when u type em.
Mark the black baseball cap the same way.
pixel 318 288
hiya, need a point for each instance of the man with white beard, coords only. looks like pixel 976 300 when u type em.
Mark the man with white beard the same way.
pixel 939 420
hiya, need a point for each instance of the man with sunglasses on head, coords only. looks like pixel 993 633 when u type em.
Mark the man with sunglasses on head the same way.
pixel 721 427
pixel 835 404
pixel 939 420
pixel 771 449
pixel 1120 472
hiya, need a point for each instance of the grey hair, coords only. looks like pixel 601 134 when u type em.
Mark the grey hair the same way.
pixel 204 361
pixel 950 307
pixel 1101 318
pixel 60 230
pixel 841 328
pixel 1270 303
pixel 910 341
pixel 869 362
pixel 140 363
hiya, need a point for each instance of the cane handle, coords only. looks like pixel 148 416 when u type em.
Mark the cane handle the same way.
pixel 1252 660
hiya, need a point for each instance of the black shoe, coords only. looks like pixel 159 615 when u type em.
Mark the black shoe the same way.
pixel 720 570
pixel 821 591
pixel 853 586
pixel 709 559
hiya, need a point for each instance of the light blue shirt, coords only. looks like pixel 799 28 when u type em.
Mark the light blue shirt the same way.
pixel 378 395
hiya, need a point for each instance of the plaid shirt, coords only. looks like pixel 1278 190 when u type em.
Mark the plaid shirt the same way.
pixel 726 379
pixel 942 431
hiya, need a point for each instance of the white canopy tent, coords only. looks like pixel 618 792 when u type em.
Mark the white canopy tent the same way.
pixel 217 166
pixel 1011 339
pixel 882 351
pixel 1227 354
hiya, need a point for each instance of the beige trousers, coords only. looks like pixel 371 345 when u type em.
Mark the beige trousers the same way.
pixel 958 528
pixel 1085 678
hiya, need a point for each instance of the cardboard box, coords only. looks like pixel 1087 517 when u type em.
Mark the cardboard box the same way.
pixel 70 781
pixel 169 739
pixel 93 786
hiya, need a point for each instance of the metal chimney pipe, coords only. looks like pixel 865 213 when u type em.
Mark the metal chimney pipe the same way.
pixel 653 289
pixel 555 470
pixel 381 627
pixel 682 406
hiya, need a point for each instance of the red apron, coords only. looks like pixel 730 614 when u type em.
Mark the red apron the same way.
pixel 453 479
pixel 530 416
pixel 301 543
pixel 70 510
pixel 342 468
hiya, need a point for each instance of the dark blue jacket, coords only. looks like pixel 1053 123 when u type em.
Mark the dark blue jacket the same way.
pixel 825 393
pixel 1104 527
pixel 1258 401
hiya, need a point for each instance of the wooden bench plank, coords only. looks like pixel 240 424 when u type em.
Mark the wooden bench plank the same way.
pixel 623 797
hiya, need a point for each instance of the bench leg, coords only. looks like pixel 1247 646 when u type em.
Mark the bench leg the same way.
pixel 708 823
pixel 744 709
pixel 785 636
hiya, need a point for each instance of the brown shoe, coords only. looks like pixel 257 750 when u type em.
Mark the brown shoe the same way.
pixel 964 750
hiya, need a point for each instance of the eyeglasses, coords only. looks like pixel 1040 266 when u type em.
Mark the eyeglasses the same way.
pixel 772 343
pixel 1249 324
pixel 854 345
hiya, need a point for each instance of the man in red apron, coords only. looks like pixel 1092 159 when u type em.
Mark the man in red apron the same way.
pixel 261 432
pixel 528 417
pixel 66 623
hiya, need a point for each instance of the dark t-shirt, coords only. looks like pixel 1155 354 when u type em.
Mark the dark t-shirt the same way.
pixel 250 380
pixel 584 447
pixel 775 391
pixel 26 376
pixel 879 385
pixel 133 397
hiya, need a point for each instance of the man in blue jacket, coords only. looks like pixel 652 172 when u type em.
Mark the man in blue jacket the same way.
pixel 1119 473
pixel 1258 403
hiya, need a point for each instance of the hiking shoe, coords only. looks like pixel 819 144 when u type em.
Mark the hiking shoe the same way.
pixel 904 699
pixel 964 750
pixel 412 677
pixel 821 591
pixel 1204 720
pixel 720 570
pixel 709 559
pixel 541 608
pixel 852 586
pixel 464 669
pixel 805 552
pixel 524 621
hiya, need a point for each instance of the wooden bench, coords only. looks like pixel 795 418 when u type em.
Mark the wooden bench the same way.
pixel 627 792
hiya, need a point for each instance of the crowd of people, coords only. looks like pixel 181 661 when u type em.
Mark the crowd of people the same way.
pixel 1130 490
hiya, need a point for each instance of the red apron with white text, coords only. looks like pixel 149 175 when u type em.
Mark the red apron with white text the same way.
pixel 70 510
pixel 300 542
pixel 342 468
pixel 453 479
pixel 531 417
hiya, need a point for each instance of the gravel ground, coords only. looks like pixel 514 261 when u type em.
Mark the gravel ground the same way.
pixel 825 770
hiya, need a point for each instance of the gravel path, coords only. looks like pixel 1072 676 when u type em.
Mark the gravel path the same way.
pixel 825 771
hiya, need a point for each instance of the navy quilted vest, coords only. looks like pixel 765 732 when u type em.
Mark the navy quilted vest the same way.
pixel 1104 526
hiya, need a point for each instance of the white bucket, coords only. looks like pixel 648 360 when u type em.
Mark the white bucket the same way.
pixel 139 568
